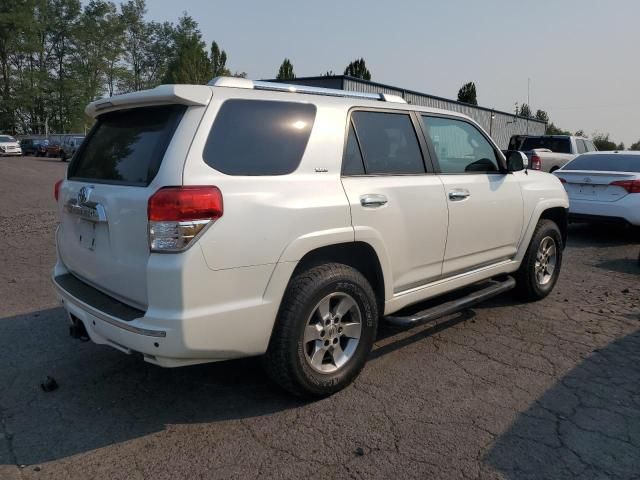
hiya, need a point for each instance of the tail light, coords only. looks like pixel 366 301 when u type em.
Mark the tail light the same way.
pixel 178 214
pixel 56 189
pixel 631 186
pixel 536 162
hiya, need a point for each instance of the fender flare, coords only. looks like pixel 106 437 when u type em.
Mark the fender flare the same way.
pixel 304 244
pixel 540 208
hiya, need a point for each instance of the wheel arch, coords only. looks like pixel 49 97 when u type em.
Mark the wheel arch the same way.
pixel 559 215
pixel 550 209
pixel 358 255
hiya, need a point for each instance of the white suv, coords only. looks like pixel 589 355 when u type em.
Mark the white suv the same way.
pixel 242 218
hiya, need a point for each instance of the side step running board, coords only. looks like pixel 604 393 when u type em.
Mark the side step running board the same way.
pixel 495 287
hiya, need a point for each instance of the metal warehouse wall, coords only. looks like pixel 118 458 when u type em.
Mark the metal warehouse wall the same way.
pixel 501 127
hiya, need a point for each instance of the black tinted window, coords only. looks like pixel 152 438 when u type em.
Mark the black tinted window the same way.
pixel 614 162
pixel 558 145
pixel 126 147
pixel 389 143
pixel 459 146
pixel 352 163
pixel 253 137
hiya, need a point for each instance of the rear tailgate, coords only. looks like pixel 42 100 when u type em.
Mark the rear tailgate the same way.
pixel 127 157
pixel 594 186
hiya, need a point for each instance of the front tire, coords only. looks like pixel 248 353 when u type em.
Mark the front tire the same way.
pixel 324 332
pixel 541 265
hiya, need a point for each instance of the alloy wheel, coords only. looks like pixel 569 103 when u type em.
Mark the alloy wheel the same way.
pixel 332 332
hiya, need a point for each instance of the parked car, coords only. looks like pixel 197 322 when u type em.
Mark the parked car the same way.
pixel 550 152
pixel 603 186
pixel 31 146
pixel 285 221
pixel 69 147
pixel 53 149
pixel 9 146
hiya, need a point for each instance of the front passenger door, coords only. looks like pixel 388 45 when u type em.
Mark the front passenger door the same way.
pixel 485 203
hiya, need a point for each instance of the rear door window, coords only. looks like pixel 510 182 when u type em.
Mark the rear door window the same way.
pixel 257 137
pixel 580 145
pixel 352 164
pixel 126 147
pixel 389 143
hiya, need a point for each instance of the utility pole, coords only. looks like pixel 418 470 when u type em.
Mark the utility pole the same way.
pixel 528 101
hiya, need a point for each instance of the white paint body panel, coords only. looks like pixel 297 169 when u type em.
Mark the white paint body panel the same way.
pixel 485 227
pixel 219 299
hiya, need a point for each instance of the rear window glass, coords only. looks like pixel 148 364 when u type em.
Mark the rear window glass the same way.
pixel 558 145
pixel 609 163
pixel 126 147
pixel 255 137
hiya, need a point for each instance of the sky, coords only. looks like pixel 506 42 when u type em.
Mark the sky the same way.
pixel 582 57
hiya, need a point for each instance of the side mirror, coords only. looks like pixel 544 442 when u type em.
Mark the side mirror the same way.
pixel 516 160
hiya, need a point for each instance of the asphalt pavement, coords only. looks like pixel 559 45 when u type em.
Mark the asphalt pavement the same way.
pixel 504 390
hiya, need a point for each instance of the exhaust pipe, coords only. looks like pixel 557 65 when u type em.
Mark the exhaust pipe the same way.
pixel 77 329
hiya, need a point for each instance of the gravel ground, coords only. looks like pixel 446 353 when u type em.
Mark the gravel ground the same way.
pixel 544 390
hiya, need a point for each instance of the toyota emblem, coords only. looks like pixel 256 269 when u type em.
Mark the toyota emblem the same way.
pixel 83 195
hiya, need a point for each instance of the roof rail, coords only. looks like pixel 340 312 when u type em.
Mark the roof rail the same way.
pixel 234 82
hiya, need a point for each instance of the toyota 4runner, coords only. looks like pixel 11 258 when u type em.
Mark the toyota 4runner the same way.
pixel 246 218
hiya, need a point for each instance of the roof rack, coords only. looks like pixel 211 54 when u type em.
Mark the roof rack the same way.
pixel 235 82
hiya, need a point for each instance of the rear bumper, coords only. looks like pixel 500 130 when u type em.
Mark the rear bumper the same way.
pixel 224 315
pixel 625 210
pixel 11 153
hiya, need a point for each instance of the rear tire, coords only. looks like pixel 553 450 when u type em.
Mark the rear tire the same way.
pixel 324 332
pixel 541 265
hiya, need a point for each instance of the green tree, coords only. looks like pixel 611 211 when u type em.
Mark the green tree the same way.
pixel 525 111
pixel 553 130
pixel 580 133
pixel 620 146
pixel 148 48
pixel 190 63
pixel 603 142
pixel 635 146
pixel 218 61
pixel 97 48
pixel 542 116
pixel 328 73
pixel 358 69
pixel 286 71
pixel 467 94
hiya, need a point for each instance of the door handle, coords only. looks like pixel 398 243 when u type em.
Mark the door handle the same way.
pixel 459 194
pixel 373 200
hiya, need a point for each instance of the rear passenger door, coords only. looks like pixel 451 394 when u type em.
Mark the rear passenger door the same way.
pixel 397 204
pixel 485 203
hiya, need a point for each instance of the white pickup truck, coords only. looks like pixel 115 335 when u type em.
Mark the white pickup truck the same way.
pixel 245 218
pixel 550 152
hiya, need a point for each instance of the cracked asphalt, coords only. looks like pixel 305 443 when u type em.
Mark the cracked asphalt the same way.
pixel 505 390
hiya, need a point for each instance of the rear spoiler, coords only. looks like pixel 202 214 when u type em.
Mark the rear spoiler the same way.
pixel 161 95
